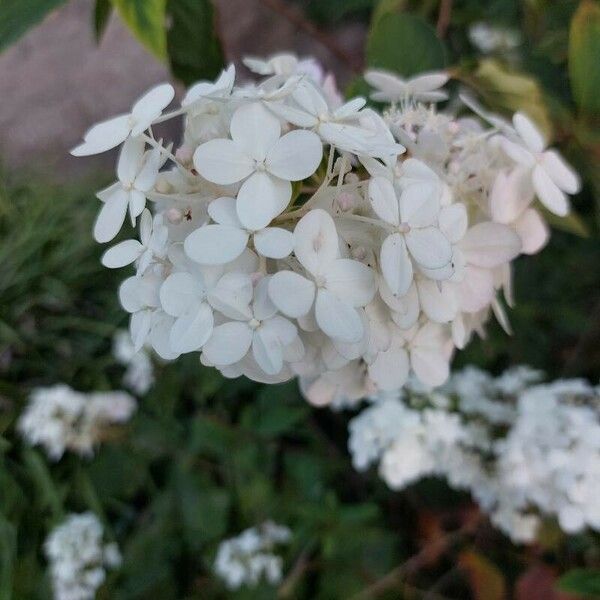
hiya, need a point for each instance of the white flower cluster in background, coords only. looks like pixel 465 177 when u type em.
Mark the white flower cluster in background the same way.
pixel 79 557
pixel 247 559
pixel 489 38
pixel 59 418
pixel 139 372
pixel 526 451
pixel 292 234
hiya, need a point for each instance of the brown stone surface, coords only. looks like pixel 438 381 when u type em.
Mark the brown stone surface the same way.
pixel 55 82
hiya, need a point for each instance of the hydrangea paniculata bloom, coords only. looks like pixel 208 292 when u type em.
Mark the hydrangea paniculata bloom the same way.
pixel 295 234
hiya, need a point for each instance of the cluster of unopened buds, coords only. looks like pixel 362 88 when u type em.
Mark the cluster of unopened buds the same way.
pixel 293 234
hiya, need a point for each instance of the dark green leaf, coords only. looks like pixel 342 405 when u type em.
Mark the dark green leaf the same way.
pixel 147 21
pixel 585 582
pixel 405 44
pixel 17 16
pixel 102 12
pixel 584 57
pixel 192 42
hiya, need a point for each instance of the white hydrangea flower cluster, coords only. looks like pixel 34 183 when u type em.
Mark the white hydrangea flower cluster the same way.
pixel 139 372
pixel 297 235
pixel 79 557
pixel 247 559
pixel 526 451
pixel 59 418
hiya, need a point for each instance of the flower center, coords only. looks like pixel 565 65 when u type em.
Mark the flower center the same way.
pixel 259 165
pixel 403 228
pixel 254 324
pixel 320 281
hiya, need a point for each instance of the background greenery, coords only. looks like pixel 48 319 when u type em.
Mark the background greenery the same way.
pixel 205 458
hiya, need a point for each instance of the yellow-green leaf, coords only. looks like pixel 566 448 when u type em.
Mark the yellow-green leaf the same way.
pixel 584 57
pixel 147 21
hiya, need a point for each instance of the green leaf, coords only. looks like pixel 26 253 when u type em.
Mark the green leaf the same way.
pixel 385 7
pixel 584 56
pixel 102 12
pixel 572 223
pixel 405 44
pixel 585 582
pixel 147 21
pixel 16 17
pixel 193 45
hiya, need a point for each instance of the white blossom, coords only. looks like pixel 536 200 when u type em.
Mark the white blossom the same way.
pixel 79 557
pixel 139 373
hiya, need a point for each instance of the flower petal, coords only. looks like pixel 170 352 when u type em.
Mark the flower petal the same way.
pixel 223 211
pixel 111 216
pixel 254 130
pixel 180 293
pixel 533 231
pixel 522 156
pixel 122 254
pixel 550 195
pixel 221 161
pixel 420 204
pixel 528 132
pixel 316 240
pixel 130 159
pixel 295 156
pixel 215 244
pixel 563 175
pixel 336 318
pixel 490 244
pixel 191 331
pixel 395 264
pixel 274 242
pixel 228 343
pixel 383 200
pixel 267 351
pixel 438 301
pixel 429 247
pixel 104 136
pixel 310 99
pixel 453 221
pixel 262 305
pixel 389 370
pixel 291 293
pixel 350 280
pixel 232 296
pixel 261 198
pixel 151 105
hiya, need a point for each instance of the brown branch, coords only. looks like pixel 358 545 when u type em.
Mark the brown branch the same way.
pixel 444 17
pixel 295 16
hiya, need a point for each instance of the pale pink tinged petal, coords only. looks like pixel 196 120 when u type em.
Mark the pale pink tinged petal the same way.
pixel 274 242
pixel 180 293
pixel 349 109
pixel 267 351
pixel 310 99
pixel 351 280
pixel 295 156
pixel 152 103
pixel 518 153
pixel 430 366
pixel 122 254
pixel 318 392
pixel 294 352
pixel 191 331
pixel 460 335
pixel 111 216
pixel 563 175
pixel 223 211
pixel 550 195
pixel 501 316
pixel 438 302
pixel 383 200
pixel 254 130
pixel 293 115
pixel 146 227
pixel 228 343
pixel 533 231
pixel 529 133
pixel 429 247
pixel 129 295
pixel 104 136
pixel 396 265
pixel 130 159
pixel 215 244
pixel 262 306
pixel 511 194
pixel 389 371
pixel 261 198
pixel 420 204
pixel 291 293
pixel 490 244
pixel 222 162
pixel 139 326
pixel 316 240
pixel 336 318
pixel 453 222
pixel 476 291
pixel 450 271
pixel 232 295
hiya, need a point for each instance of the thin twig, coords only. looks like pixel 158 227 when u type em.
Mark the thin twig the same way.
pixel 301 565
pixel 295 16
pixel 444 17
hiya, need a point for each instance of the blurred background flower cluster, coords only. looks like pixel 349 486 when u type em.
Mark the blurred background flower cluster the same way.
pixel 187 485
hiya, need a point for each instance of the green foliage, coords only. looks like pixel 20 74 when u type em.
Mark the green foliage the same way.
pixel 405 44
pixel 102 12
pixel 192 42
pixel 584 57
pixel 16 17
pixel 583 582
pixel 147 21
